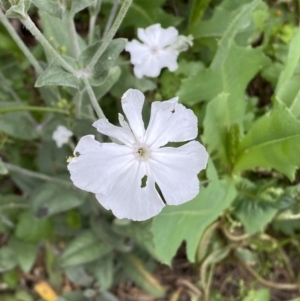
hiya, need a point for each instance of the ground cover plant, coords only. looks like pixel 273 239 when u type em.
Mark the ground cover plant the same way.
pixel 98 206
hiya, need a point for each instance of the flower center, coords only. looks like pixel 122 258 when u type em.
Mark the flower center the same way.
pixel 142 153
pixel 154 49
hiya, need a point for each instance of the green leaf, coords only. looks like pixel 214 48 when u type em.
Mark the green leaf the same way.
pixel 238 68
pixel 272 142
pixel 53 198
pixel 106 61
pixel 52 7
pixel 31 229
pixel 78 5
pixel 25 253
pixel 82 249
pixel 188 221
pixel 55 75
pixel 145 13
pixel 19 10
pixel 197 10
pixel 79 276
pixel 7 259
pixel 24 129
pixel 258 295
pixel 218 125
pixel 136 270
pixel 3 169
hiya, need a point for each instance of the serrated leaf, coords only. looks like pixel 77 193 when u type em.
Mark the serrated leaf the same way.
pixel 106 61
pixel 82 249
pixel 31 229
pixel 50 6
pixel 136 270
pixel 3 169
pixel 176 222
pixel 239 67
pixel 23 129
pixel 55 75
pixel 53 198
pixel 272 142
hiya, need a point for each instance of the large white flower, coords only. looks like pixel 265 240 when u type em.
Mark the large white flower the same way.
pixel 61 135
pixel 156 53
pixel 124 175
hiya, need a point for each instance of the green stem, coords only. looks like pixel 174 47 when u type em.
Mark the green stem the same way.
pixel 78 104
pixel 111 17
pixel 33 61
pixel 33 108
pixel 73 37
pixel 93 99
pixel 107 39
pixel 27 22
pixel 33 174
pixel 94 11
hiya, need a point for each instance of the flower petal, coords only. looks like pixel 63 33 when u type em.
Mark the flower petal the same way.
pixel 138 51
pixel 120 133
pixel 151 67
pixel 170 122
pixel 132 104
pixel 175 171
pixel 154 35
pixel 128 199
pixel 99 165
pixel 168 58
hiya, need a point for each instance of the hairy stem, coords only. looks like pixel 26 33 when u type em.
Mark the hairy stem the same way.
pixel 94 11
pixel 33 174
pixel 33 109
pixel 27 22
pixel 107 39
pixel 33 61
pixel 73 37
pixel 111 17
pixel 78 104
pixel 93 99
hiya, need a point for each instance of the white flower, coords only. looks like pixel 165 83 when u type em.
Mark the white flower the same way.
pixel 123 175
pixel 156 52
pixel 61 135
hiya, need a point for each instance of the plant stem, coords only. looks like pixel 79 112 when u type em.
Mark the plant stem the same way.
pixel 78 103
pixel 33 108
pixel 93 99
pixel 33 61
pixel 34 174
pixel 111 17
pixel 107 39
pixel 27 22
pixel 94 11
pixel 73 36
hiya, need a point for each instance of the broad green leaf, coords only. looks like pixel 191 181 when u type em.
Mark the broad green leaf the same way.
pixel 7 259
pixel 51 198
pixel 18 10
pixel 3 169
pixel 106 61
pixel 136 270
pixel 79 276
pixel 55 75
pixel 82 249
pixel 272 142
pixel 23 129
pixel 31 229
pixel 258 295
pixel 188 221
pixel 145 13
pixel 219 123
pixel 25 253
pixel 240 66
pixel 52 7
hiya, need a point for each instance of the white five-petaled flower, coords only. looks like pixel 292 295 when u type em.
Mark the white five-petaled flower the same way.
pixel 61 135
pixel 123 175
pixel 156 52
